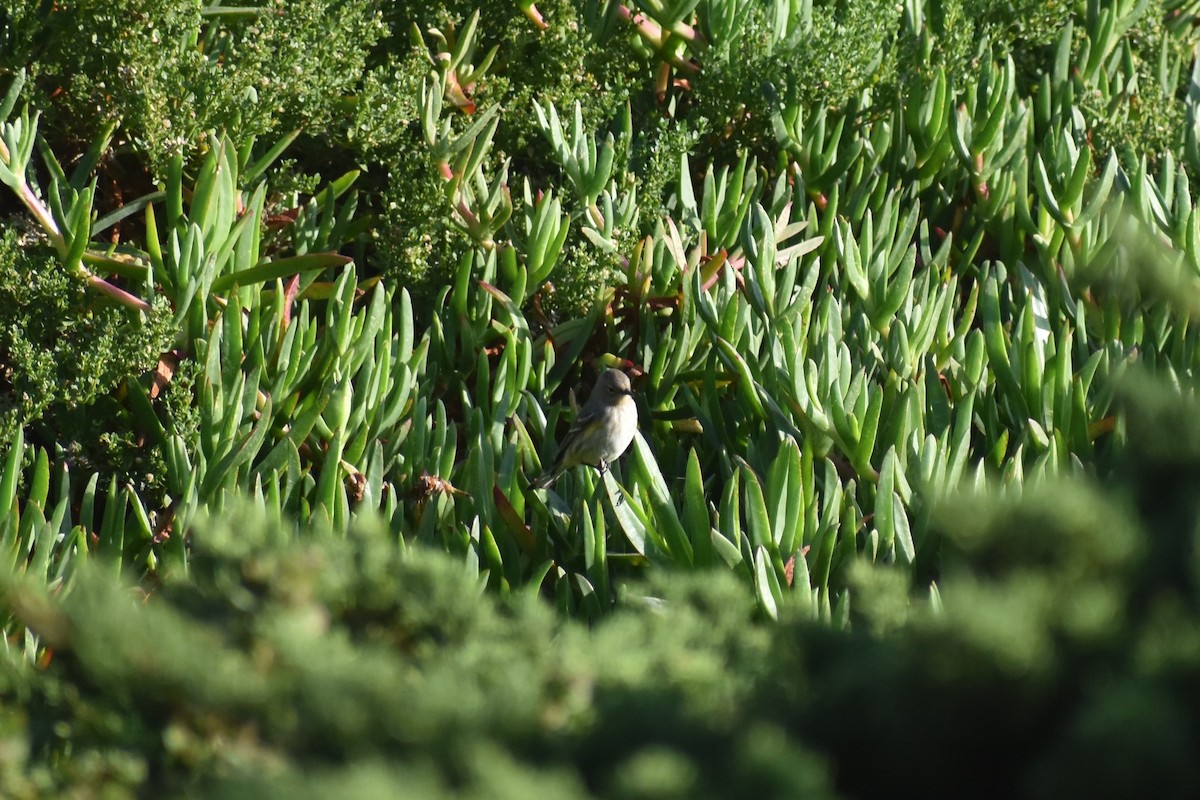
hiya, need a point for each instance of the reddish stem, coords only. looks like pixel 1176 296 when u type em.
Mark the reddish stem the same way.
pixel 116 293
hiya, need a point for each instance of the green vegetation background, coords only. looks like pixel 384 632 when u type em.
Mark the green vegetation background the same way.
pixel 295 298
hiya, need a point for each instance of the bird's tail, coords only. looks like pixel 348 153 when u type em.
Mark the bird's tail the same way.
pixel 547 478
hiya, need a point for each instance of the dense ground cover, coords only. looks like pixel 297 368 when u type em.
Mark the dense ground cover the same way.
pixel 293 296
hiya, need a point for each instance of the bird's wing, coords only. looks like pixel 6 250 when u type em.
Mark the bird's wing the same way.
pixel 581 422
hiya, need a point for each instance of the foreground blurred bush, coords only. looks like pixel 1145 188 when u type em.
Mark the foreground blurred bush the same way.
pixel 1056 662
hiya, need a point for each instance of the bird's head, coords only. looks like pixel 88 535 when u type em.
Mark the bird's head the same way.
pixel 613 384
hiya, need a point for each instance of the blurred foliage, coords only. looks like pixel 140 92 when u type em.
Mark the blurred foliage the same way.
pixel 288 661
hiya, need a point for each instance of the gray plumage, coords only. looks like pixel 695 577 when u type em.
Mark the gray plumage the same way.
pixel 602 431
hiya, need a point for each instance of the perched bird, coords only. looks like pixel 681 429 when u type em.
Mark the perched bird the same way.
pixel 602 431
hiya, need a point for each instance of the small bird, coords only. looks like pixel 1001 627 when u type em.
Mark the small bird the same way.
pixel 602 431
